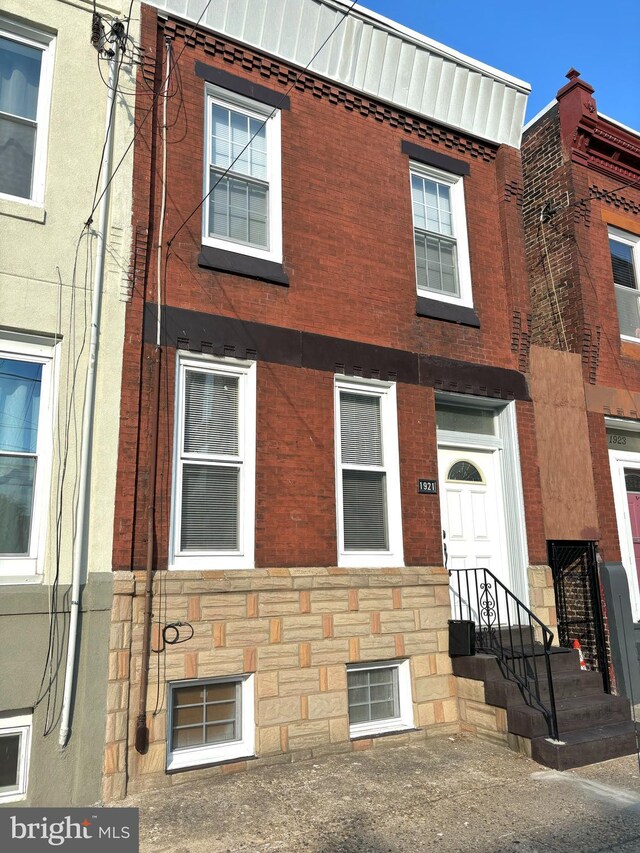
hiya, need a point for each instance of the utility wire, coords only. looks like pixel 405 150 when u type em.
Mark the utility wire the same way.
pixel 270 116
pixel 157 95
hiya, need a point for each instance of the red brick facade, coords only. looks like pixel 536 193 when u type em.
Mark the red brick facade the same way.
pixel 296 620
pixel 348 252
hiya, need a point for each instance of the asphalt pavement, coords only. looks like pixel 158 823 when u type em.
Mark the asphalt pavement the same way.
pixel 443 794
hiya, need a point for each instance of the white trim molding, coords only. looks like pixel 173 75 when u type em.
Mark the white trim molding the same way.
pixel 20 726
pixel 388 467
pixel 270 181
pixel 25 568
pixel 618 461
pixel 404 719
pixel 627 309
pixel 243 461
pixel 33 38
pixel 455 235
pixel 242 747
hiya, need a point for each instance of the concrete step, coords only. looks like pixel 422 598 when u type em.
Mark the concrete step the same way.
pixel 576 714
pixel 586 746
pixel 487 667
pixel 570 685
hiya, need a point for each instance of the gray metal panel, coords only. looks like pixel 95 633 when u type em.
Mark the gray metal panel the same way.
pixel 374 56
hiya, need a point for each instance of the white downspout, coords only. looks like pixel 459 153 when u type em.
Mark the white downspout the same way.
pixel 82 515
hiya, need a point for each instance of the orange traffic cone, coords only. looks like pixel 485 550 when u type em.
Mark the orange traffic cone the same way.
pixel 576 645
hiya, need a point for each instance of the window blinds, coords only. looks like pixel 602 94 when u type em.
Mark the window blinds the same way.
pixel 363 491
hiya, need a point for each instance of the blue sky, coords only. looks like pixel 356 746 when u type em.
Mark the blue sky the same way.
pixel 539 41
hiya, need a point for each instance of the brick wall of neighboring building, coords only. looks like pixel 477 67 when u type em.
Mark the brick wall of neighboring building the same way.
pixel 582 175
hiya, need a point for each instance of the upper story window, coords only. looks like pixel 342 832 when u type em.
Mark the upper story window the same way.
pixel 25 91
pixel 367 475
pixel 440 235
pixel 243 176
pixel 25 455
pixel 625 263
pixel 214 482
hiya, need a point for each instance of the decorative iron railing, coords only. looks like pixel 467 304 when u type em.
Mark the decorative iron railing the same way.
pixel 506 628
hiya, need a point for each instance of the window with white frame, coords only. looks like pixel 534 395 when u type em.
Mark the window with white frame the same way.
pixel 26 59
pixel 242 176
pixel 214 492
pixel 210 721
pixel 25 454
pixel 367 474
pixel 625 263
pixel 15 748
pixel 379 697
pixel 440 235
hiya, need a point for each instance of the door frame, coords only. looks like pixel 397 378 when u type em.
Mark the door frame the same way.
pixel 505 443
pixel 618 461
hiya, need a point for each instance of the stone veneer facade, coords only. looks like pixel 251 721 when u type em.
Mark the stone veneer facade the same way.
pixel 295 629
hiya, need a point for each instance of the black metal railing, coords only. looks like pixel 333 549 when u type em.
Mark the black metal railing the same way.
pixel 506 628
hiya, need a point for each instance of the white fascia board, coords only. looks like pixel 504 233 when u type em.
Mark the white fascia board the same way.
pixel 619 124
pixel 539 115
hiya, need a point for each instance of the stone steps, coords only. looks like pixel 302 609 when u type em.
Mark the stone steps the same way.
pixel 592 725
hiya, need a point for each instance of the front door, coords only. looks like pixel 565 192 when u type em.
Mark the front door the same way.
pixel 473 528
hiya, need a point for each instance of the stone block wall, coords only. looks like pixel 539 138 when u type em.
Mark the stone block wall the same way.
pixel 296 629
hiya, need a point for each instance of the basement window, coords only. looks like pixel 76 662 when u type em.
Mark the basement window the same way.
pixel 210 721
pixel 379 698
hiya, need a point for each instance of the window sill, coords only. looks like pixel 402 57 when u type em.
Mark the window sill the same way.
pixel 22 210
pixel 437 310
pixel 208 758
pixel 395 728
pixel 244 265
pixel 370 560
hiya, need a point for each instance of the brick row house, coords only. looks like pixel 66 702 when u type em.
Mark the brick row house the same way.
pixel 324 390
pixel 582 223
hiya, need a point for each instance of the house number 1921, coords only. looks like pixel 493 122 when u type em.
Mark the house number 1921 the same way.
pixel 427 487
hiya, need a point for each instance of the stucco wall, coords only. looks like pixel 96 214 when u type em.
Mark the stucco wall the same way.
pixel 45 290
pixel 39 292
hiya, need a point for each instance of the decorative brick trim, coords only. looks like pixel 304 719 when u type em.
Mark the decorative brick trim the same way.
pixel 513 192
pixel 521 338
pixel 591 351
pixel 287 77
pixel 615 199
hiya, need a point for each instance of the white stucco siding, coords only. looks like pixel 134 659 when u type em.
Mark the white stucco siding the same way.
pixel 38 292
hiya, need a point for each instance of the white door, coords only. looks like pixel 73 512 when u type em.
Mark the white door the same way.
pixel 473 531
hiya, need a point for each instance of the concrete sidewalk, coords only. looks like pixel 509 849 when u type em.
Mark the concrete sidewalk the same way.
pixel 443 794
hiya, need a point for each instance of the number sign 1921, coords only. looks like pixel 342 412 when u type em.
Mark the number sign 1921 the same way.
pixel 427 487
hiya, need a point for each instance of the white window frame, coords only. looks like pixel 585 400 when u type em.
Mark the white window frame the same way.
pixel 20 725
pixel 45 42
pixel 196 756
pixel 272 119
pixel 243 558
pixel 386 392
pixel 632 240
pixel 29 567
pixel 405 720
pixel 460 234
